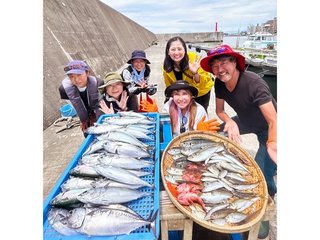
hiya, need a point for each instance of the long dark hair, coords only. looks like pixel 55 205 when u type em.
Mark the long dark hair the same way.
pixel 168 63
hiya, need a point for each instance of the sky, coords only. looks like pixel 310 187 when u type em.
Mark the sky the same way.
pixel 180 16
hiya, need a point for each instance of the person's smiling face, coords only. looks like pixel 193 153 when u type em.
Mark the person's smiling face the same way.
pixel 138 64
pixel 115 89
pixel 223 68
pixel 182 98
pixel 80 80
pixel 176 51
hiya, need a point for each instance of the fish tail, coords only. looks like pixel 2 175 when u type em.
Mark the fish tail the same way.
pixel 152 219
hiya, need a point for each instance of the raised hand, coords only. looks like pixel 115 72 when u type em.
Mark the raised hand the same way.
pixel 104 108
pixel 123 101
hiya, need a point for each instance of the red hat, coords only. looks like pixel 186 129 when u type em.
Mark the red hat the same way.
pixel 222 50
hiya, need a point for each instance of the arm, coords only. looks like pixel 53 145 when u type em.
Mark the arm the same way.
pixel 231 126
pixel 270 115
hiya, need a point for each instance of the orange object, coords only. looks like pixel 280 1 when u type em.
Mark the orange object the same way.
pixel 173 189
pixel 210 125
pixel 148 104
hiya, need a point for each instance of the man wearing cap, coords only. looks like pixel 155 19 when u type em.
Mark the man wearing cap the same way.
pixel 249 95
pixel 138 73
pixel 82 91
pixel 115 95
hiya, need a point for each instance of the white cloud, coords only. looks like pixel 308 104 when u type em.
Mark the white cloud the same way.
pixel 170 16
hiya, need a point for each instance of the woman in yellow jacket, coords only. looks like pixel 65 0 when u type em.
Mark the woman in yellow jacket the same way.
pixel 182 65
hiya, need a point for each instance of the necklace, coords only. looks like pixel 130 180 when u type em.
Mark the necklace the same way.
pixel 177 69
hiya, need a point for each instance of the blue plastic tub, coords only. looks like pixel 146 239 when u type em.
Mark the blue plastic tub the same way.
pixel 143 206
pixel 68 111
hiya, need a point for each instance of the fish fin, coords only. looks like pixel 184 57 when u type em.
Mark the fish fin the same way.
pixel 152 219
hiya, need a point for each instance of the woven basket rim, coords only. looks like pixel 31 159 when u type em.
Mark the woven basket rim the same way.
pixel 166 162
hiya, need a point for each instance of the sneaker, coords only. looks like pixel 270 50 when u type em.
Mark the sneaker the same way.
pixel 264 230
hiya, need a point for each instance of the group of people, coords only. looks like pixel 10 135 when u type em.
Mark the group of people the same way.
pixel 189 80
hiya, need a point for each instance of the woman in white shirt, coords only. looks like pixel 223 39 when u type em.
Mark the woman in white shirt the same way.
pixel 185 113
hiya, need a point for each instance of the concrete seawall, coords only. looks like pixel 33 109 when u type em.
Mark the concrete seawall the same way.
pixel 194 37
pixel 87 30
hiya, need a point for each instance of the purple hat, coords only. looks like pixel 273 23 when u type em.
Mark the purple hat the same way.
pixel 140 54
pixel 76 67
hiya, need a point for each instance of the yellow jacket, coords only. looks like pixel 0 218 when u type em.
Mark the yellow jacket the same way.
pixel 205 84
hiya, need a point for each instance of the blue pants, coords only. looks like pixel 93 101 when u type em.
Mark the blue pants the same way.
pixel 267 166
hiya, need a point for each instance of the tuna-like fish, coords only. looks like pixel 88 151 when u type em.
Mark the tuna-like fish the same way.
pixel 124 137
pixel 108 222
pixel 125 149
pixel 110 195
pixel 101 128
pixel 115 160
pixel 57 218
pixel 121 175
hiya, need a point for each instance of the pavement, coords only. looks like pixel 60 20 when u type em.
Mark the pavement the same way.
pixel 60 148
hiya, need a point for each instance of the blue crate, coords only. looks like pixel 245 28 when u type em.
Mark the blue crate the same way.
pixel 143 206
pixel 165 129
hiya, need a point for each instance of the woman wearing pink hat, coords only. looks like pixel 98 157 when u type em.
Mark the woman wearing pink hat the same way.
pixel 249 95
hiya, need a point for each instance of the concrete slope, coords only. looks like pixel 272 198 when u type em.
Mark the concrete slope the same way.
pixel 87 30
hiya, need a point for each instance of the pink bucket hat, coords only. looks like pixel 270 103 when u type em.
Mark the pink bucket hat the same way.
pixel 222 50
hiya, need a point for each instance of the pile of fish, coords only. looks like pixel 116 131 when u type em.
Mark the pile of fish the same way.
pixel 221 180
pixel 115 172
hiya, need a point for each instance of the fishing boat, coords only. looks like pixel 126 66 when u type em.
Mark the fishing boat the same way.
pixel 260 60
pixel 261 40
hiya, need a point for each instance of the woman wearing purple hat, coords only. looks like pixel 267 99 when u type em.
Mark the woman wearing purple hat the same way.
pixel 82 90
pixel 138 73
pixel 249 95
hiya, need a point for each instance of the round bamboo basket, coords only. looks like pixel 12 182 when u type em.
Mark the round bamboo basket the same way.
pixel 255 212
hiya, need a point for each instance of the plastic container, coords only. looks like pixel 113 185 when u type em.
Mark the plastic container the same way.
pixel 68 110
pixel 142 206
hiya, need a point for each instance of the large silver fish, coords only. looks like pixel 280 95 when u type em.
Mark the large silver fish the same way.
pixel 57 218
pixel 101 128
pixel 115 160
pixel 120 175
pixel 122 136
pixel 107 222
pixel 67 198
pixel 125 149
pixel 94 147
pixel 110 195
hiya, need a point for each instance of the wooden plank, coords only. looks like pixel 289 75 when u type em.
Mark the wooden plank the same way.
pixel 187 233
pixel 164 230
pixel 253 233
pixel 176 225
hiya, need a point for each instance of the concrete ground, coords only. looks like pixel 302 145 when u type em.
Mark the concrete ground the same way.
pixel 60 148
